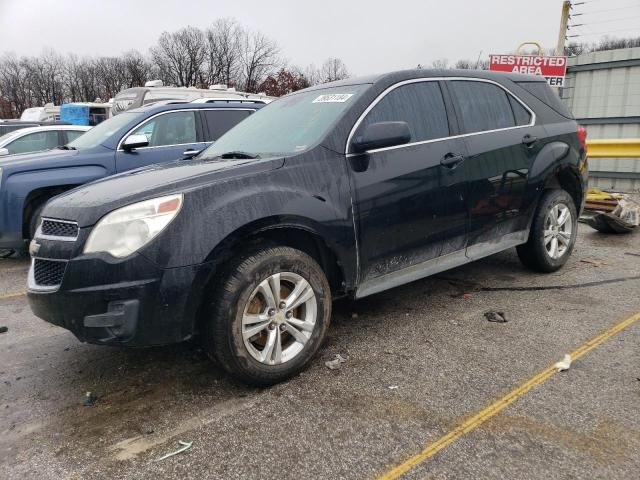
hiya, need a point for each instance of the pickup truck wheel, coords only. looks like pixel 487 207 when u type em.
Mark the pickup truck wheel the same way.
pixel 553 233
pixel 268 315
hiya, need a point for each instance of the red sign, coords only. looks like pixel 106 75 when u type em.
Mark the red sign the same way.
pixel 553 69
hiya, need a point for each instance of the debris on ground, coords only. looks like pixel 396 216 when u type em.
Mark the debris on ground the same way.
pixel 495 316
pixel 185 446
pixel 613 212
pixel 397 354
pixel 354 315
pixel 609 223
pixel 599 200
pixel 147 429
pixel 564 364
pixel 4 329
pixel 591 261
pixel 632 254
pixel 336 363
pixel 392 387
pixel 89 399
pixel 466 295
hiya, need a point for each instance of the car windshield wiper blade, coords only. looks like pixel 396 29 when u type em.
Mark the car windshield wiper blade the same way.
pixel 239 154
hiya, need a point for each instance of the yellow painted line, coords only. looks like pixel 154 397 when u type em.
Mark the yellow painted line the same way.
pixel 12 295
pixel 479 418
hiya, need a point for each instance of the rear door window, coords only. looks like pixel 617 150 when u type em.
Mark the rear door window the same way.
pixel 482 106
pixel 34 142
pixel 419 104
pixel 221 121
pixel 174 128
pixel 521 114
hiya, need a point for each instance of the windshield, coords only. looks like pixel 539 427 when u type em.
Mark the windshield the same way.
pixel 99 134
pixel 7 136
pixel 289 125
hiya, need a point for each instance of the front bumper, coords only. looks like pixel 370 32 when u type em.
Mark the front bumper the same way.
pixel 130 302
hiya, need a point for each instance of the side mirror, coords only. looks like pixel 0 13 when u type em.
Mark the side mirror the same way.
pixel 135 141
pixel 4 151
pixel 381 135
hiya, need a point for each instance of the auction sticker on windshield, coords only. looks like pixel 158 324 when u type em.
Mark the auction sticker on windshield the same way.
pixel 333 98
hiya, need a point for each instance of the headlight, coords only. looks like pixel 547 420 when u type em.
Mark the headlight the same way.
pixel 129 228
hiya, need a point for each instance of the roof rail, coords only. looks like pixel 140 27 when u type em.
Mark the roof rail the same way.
pixel 229 100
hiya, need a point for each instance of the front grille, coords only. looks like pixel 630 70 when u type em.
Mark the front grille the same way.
pixel 56 228
pixel 48 273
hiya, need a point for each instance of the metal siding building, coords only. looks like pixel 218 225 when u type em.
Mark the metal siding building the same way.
pixel 602 89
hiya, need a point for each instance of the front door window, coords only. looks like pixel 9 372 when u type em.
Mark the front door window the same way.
pixel 175 128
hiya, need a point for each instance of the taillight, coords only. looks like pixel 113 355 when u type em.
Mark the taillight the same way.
pixel 582 136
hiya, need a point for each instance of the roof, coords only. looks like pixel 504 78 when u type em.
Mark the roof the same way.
pixel 44 128
pixel 179 105
pixel 35 123
pixel 12 135
pixel 401 75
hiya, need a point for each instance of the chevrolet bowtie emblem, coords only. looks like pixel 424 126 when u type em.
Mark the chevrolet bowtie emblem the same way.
pixel 34 247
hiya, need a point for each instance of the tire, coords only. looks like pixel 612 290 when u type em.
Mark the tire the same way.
pixel 242 297
pixel 539 253
pixel 33 220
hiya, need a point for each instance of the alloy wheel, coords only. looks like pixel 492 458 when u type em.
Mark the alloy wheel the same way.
pixel 558 228
pixel 279 318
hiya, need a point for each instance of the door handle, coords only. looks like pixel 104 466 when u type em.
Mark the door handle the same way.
pixel 190 152
pixel 451 160
pixel 529 140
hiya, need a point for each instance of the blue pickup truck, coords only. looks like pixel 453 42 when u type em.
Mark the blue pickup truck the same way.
pixel 133 139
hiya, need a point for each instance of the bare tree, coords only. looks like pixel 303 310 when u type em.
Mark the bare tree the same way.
pixel 472 64
pixel 138 69
pixel 224 39
pixel 180 56
pixel 14 85
pixel 44 77
pixel 226 52
pixel 605 43
pixel 313 74
pixel 259 58
pixel 333 69
pixel 440 63
pixel 112 72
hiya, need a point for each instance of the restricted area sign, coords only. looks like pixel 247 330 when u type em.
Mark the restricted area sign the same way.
pixel 553 69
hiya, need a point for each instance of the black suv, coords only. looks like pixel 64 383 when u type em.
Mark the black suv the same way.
pixel 348 188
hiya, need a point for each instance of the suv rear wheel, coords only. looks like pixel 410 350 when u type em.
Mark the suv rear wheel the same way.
pixel 268 315
pixel 553 233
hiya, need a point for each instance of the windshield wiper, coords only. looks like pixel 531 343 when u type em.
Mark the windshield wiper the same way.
pixel 66 147
pixel 239 154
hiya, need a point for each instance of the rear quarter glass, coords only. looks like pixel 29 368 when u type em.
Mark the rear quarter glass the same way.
pixel 543 92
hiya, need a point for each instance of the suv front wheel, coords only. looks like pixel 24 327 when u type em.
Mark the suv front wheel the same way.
pixel 553 233
pixel 268 315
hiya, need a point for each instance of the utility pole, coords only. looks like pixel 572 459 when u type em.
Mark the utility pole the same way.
pixel 564 21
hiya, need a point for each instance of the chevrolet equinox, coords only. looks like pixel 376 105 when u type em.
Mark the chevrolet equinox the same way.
pixel 343 189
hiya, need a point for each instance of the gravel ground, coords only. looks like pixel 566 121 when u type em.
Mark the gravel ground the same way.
pixel 429 341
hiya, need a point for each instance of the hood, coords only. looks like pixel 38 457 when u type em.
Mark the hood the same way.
pixel 25 160
pixel 90 202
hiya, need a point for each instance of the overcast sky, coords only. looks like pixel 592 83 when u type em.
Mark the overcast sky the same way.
pixel 369 35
